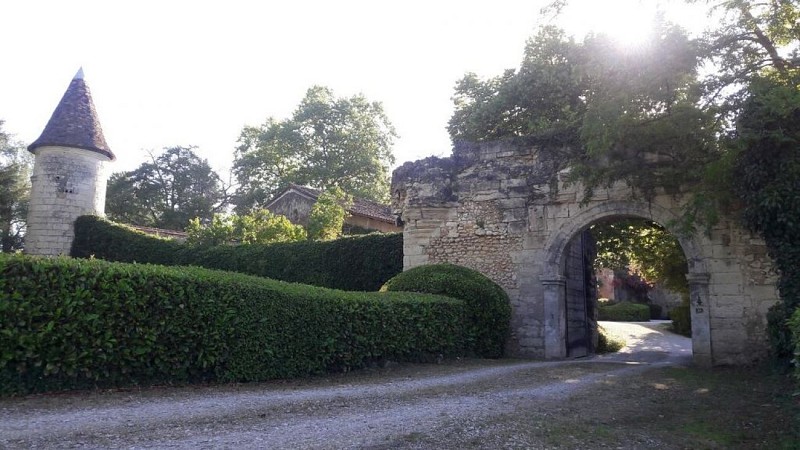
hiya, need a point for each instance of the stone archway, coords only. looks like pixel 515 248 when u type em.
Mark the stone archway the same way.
pixel 506 211
pixel 553 278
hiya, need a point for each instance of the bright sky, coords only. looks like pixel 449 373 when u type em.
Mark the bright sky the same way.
pixel 176 72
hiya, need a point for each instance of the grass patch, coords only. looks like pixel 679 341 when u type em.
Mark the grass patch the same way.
pixel 726 408
pixel 704 431
pixel 608 343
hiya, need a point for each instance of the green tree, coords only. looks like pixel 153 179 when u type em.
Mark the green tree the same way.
pixel 15 171
pixel 643 124
pixel 167 191
pixel 644 246
pixel 602 104
pixel 541 99
pixel 328 141
pixel 765 155
pixel 328 214
pixel 258 227
pixel 751 36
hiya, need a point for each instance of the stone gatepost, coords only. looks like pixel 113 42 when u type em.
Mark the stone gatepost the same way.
pixel 700 313
pixel 555 316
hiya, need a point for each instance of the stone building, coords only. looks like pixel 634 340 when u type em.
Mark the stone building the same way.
pixel 295 203
pixel 69 172
pixel 506 210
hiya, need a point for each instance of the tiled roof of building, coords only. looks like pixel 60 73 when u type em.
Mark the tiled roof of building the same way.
pixel 361 206
pixel 174 234
pixel 74 122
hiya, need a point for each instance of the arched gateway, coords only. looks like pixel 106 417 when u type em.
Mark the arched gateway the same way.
pixel 506 211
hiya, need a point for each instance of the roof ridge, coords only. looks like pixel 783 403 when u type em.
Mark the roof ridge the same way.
pixel 361 205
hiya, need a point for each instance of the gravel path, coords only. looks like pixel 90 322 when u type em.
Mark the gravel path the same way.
pixel 379 409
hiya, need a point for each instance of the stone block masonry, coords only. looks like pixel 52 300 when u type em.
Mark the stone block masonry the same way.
pixel 505 210
pixel 66 183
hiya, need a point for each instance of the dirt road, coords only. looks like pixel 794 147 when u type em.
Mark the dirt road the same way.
pixel 409 406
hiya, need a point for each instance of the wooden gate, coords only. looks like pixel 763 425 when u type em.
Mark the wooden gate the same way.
pixel 580 292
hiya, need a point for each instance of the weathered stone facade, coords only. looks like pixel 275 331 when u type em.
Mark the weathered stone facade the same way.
pixel 506 210
pixel 66 183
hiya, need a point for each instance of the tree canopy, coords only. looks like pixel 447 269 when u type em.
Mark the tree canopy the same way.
pixel 329 141
pixel 603 104
pixel 542 98
pixel 166 192
pixel 643 247
pixel 751 36
pixel 15 171
pixel 328 214
pixel 259 227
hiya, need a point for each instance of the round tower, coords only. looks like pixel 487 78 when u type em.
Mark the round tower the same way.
pixel 69 177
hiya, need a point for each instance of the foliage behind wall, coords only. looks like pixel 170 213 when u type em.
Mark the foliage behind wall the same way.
pixel 361 263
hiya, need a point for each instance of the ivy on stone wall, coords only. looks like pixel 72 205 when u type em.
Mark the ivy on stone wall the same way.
pixel 767 170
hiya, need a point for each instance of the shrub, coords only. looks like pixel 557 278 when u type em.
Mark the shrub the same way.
pixel 782 339
pixel 359 263
pixel 328 214
pixel 656 311
pixel 71 323
pixel 624 312
pixel 793 324
pixel 487 305
pixel 681 319
pixel 607 343
pixel 260 226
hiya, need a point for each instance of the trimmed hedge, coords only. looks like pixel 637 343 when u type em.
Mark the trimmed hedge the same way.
pixel 72 324
pixel 96 237
pixel 681 319
pixel 624 312
pixel 359 263
pixel 487 304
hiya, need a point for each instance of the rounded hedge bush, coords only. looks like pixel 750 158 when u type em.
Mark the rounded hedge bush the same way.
pixel 624 312
pixel 488 309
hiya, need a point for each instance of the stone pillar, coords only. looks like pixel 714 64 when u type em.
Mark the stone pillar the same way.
pixel 555 316
pixel 699 309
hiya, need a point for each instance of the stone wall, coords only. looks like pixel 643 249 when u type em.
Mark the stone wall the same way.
pixel 66 183
pixel 296 207
pixel 508 211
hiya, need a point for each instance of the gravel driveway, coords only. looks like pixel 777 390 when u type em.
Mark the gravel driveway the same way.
pixel 375 408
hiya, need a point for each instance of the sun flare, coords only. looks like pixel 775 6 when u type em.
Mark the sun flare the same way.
pixel 628 22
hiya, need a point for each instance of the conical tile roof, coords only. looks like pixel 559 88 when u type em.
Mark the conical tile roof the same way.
pixel 74 122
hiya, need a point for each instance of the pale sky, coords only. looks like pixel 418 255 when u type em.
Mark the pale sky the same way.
pixel 173 72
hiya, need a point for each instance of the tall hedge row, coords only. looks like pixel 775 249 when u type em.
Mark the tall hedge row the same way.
pixel 71 323
pixel 360 263
pixel 100 238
